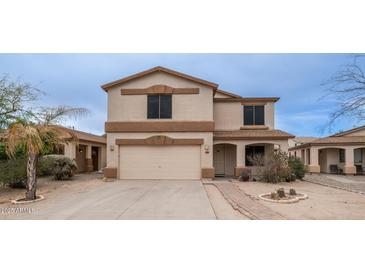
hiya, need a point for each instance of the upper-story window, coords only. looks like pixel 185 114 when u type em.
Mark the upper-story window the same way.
pixel 159 106
pixel 254 115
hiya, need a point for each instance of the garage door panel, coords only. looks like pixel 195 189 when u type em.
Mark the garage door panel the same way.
pixel 160 162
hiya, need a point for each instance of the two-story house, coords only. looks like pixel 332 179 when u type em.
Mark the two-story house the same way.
pixel 163 124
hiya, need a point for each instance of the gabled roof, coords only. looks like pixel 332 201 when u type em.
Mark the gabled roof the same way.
pixel 159 69
pixel 232 95
pixel 348 131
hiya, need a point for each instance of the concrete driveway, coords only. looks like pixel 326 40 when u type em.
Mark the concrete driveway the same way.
pixel 137 199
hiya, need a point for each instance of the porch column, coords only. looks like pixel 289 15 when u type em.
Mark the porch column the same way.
pixel 313 166
pixel 88 160
pixel 70 150
pixel 240 159
pixel 349 167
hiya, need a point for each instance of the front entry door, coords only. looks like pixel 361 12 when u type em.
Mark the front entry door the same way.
pixel 218 159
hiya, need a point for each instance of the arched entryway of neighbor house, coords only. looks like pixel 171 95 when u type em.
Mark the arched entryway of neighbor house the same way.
pixel 359 160
pixel 332 159
pixel 224 159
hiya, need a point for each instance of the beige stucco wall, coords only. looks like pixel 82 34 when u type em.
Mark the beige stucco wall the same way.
pixel 229 115
pixel 185 107
pixel 270 115
pixel 206 158
pixel 220 95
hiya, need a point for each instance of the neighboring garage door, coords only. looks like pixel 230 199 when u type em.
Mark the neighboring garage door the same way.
pixel 160 162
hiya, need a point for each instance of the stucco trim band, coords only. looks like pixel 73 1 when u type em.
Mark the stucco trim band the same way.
pixel 160 126
pixel 159 140
pixel 208 172
pixel 159 89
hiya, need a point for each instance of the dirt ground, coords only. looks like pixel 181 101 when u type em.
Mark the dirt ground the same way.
pixel 46 185
pixel 324 203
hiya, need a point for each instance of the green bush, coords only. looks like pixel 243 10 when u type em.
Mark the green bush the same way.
pixel 46 164
pixel 64 168
pixel 19 153
pixel 13 172
pixel 297 167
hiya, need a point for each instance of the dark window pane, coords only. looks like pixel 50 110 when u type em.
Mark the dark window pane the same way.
pixel 254 155
pixel 152 106
pixel 249 156
pixel 259 115
pixel 248 115
pixel 259 151
pixel 165 106
pixel 342 155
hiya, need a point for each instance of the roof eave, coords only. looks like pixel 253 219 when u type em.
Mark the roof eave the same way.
pixel 107 86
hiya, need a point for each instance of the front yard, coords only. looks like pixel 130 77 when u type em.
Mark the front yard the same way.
pixel 324 203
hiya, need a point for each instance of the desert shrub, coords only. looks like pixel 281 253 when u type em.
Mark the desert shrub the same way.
pixel 245 175
pixel 46 164
pixel 292 192
pixel 274 168
pixel 13 172
pixel 64 168
pixel 297 167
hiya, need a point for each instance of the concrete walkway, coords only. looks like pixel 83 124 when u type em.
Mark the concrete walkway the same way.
pixel 245 204
pixel 137 199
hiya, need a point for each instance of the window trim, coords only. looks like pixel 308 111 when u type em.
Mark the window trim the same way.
pixel 159 106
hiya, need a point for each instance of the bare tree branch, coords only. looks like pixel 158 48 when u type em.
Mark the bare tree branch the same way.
pixel 347 86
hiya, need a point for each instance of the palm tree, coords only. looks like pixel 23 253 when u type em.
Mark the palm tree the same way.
pixel 33 136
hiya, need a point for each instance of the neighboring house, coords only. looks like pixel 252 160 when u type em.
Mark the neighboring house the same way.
pixel 89 150
pixel 300 141
pixel 340 153
pixel 163 124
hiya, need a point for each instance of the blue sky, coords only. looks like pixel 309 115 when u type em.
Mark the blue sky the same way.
pixel 75 80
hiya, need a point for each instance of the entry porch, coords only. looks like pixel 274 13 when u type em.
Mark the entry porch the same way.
pixel 231 157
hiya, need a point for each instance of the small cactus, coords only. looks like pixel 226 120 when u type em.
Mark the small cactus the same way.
pixel 281 192
pixel 292 192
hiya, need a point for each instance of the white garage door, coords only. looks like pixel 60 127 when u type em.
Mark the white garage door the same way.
pixel 160 162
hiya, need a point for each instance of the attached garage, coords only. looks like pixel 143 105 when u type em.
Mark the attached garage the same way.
pixel 159 162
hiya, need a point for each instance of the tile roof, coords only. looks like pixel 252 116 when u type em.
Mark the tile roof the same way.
pixel 333 140
pixel 304 139
pixel 84 136
pixel 251 134
pixel 348 131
